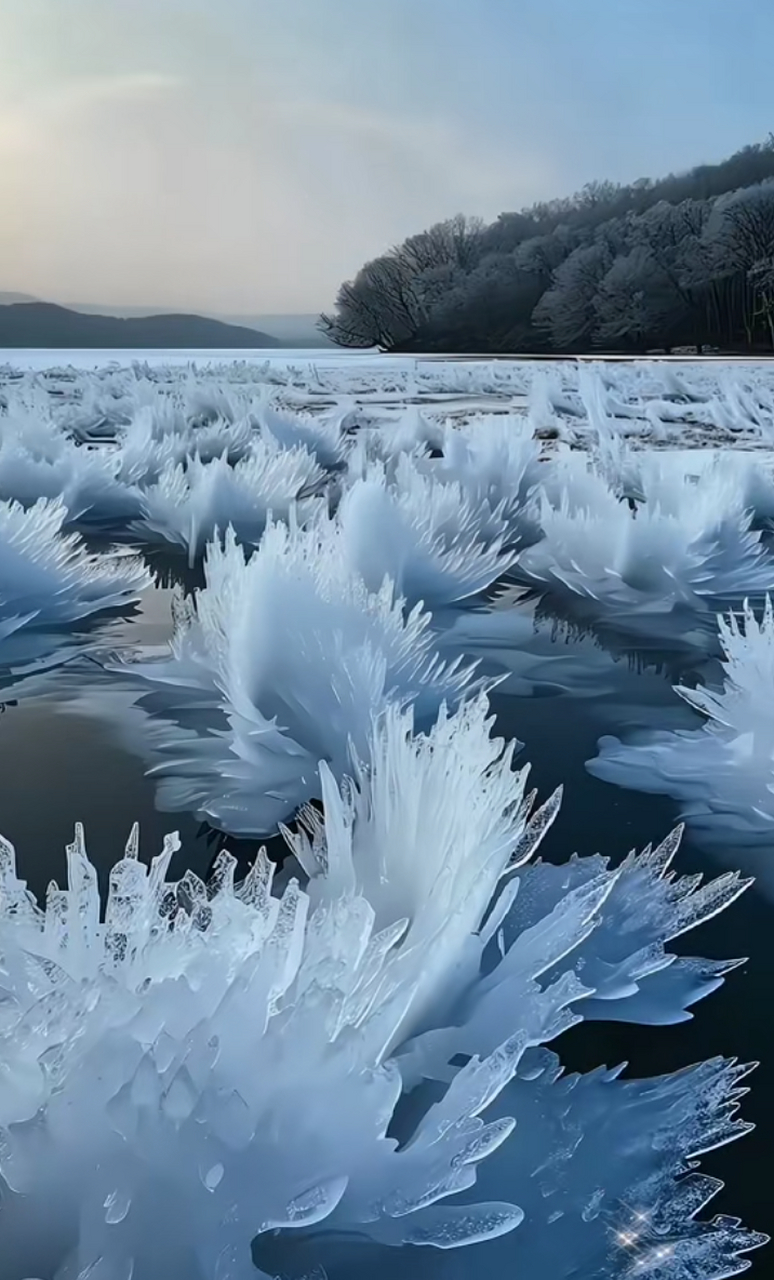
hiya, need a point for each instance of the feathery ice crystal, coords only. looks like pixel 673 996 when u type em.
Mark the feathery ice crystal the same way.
pixel 37 460
pixel 48 578
pixel 722 773
pixel 646 571
pixel 223 1081
pixel 210 1067
pixel 188 505
pixel 435 545
pixel 285 659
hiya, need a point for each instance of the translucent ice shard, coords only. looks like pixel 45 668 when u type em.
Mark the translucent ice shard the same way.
pixel 48 577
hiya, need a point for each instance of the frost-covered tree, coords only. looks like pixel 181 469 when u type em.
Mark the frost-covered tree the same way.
pixel 488 307
pixel 567 311
pixel 739 237
pixel 455 242
pixel 672 237
pixel 744 225
pixel 386 304
pixel 634 302
pixel 540 256
pixel 706 261
pixel 380 307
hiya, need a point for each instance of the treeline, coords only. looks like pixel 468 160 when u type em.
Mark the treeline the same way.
pixel 686 260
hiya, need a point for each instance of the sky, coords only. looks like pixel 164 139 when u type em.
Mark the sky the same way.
pixel 247 156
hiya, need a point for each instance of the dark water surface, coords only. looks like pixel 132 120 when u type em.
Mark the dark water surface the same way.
pixel 58 767
pixel 597 817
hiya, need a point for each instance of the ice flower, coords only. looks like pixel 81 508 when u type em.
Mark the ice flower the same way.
pixel 655 571
pixel 721 773
pixel 495 461
pixel 38 460
pixel 211 1074
pixel 189 504
pixel 284 659
pixel 436 545
pixel 319 435
pixel 49 578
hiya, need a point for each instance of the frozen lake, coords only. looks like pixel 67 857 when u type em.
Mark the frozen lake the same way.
pixel 576 660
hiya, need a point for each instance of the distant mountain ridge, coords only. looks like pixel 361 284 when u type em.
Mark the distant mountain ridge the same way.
pixel 289 329
pixel 43 324
pixel 7 299
pixel 292 330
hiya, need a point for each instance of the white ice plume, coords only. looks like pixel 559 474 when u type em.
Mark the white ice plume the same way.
pixel 430 539
pixel 189 504
pixel 159 435
pixel 49 578
pixel 687 548
pixel 590 938
pixel 154 438
pixel 414 432
pixel 160 1056
pixel 207 403
pixel 495 460
pixel 215 406
pixel 321 436
pixel 38 460
pixel 722 774
pixel 606 413
pixel 286 659
pixel 751 473
pixel 614 460
pixel 645 1214
pixel 207 1066
pixel 400 803
pixel 232 441
pixel 543 401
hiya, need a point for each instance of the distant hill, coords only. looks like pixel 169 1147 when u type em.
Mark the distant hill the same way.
pixel 6 299
pixel 291 330
pixel 42 324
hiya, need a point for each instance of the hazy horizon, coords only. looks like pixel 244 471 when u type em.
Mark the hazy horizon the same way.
pixel 244 159
pixel 154 308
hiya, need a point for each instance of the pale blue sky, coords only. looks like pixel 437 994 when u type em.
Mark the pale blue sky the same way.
pixel 248 155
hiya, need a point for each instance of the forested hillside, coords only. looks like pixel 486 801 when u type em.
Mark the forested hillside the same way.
pixel 685 260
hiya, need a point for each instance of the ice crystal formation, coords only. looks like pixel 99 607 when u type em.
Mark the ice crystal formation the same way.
pixel 285 658
pixel 205 1066
pixel 433 543
pixel 48 577
pixel 722 773
pixel 190 505
pixel 350 1075
pixel 652 568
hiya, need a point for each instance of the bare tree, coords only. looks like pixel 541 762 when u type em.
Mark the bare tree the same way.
pixel 567 309
pixel 380 307
pixel 684 258
pixel 739 236
pixel 455 242
pixel 635 302
pixel 387 303
pixel 761 278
